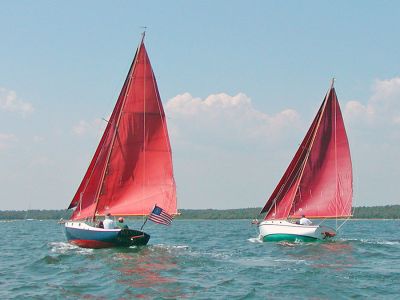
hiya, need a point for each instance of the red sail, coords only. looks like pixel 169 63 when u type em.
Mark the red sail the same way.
pixel 318 181
pixel 131 170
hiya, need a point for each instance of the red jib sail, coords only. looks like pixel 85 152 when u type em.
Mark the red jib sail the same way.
pixel 131 170
pixel 318 182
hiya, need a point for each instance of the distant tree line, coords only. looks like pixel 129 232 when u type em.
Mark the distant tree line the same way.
pixel 241 213
pixel 363 212
pixel 377 212
pixel 35 214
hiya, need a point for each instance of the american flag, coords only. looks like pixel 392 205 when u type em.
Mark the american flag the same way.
pixel 159 216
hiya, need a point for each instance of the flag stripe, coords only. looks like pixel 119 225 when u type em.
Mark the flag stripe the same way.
pixel 162 218
pixel 160 222
pixel 159 219
pixel 159 216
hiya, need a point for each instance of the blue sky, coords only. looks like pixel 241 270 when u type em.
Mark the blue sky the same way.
pixel 240 82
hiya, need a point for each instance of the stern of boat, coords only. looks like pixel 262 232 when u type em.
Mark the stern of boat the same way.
pixel 325 232
pixel 131 237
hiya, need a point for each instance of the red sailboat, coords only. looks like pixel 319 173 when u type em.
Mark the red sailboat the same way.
pixel 131 170
pixel 317 184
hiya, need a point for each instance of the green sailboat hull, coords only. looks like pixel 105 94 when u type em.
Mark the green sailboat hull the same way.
pixel 288 238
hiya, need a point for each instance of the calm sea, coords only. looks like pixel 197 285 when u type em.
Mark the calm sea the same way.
pixel 218 259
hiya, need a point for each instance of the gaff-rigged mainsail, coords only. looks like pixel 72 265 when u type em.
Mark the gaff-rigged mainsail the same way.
pixel 131 170
pixel 318 182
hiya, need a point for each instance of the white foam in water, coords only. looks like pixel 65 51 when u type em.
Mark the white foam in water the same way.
pixel 169 247
pixel 380 242
pixel 255 240
pixel 373 242
pixel 297 261
pixel 290 244
pixel 63 247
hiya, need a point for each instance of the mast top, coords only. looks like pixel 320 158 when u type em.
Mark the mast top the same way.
pixel 144 32
pixel 333 82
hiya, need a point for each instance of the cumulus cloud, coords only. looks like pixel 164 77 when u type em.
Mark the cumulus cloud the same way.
pixel 382 107
pixel 10 102
pixel 94 127
pixel 188 105
pixel 386 99
pixel 355 109
pixel 7 140
pixel 386 91
pixel 227 116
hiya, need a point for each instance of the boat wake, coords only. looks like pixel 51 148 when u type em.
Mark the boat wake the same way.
pixel 169 248
pixel 290 244
pixel 65 248
pixel 373 242
pixel 255 240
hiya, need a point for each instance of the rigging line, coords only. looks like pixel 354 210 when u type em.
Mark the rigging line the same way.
pixel 165 129
pixel 322 221
pixel 292 180
pixel 80 203
pixel 312 140
pixel 99 155
pixel 336 165
pixel 144 123
pixel 308 150
pixel 92 171
pixel 106 131
pixel 130 77
pixel 290 177
pixel 345 221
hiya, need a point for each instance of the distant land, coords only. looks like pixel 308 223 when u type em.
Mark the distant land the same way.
pixel 362 212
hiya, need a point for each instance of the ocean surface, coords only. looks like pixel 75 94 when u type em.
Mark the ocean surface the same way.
pixel 202 259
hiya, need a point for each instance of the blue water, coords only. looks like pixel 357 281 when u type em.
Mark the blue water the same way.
pixel 219 259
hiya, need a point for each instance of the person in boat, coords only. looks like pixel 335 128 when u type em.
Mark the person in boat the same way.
pixel 304 221
pixel 100 224
pixel 108 222
pixel 121 224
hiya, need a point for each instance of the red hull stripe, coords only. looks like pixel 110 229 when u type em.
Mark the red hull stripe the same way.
pixel 91 244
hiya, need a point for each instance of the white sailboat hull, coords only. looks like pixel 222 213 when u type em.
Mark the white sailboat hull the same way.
pixel 281 230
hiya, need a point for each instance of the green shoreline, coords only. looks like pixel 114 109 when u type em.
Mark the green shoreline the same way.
pixel 363 212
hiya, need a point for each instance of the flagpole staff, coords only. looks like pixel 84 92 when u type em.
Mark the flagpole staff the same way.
pixel 144 222
pixel 148 217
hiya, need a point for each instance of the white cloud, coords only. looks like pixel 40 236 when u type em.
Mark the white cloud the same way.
pixel 386 99
pixel 387 91
pixel 38 139
pixel 355 109
pixel 396 120
pixel 7 140
pixel 383 106
pixel 226 116
pixel 94 127
pixel 10 102
pixel 186 105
